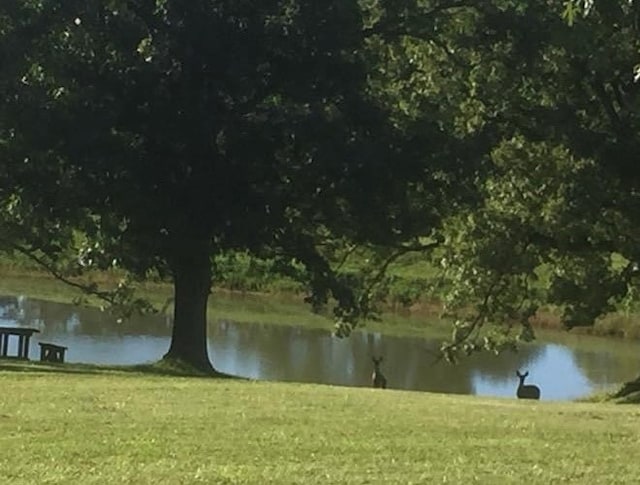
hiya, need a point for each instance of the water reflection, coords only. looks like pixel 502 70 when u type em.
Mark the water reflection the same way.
pixel 296 354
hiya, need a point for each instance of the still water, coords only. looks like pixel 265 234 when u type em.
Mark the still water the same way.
pixel 564 368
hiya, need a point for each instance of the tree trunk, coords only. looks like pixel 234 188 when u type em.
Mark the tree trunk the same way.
pixel 191 269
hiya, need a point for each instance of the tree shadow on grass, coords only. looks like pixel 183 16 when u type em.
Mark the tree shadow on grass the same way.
pixel 161 368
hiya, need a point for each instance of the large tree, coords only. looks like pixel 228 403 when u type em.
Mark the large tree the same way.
pixel 559 217
pixel 157 134
pixel 153 135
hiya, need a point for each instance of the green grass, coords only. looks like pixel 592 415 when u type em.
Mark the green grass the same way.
pixel 84 425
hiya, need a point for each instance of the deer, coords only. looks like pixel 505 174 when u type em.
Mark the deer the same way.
pixel 378 380
pixel 526 391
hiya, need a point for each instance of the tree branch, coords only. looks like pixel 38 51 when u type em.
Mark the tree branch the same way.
pixel 348 253
pixel 605 101
pixel 404 31
pixel 87 289
pixel 400 251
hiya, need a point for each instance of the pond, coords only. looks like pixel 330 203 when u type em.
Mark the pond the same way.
pixel 565 367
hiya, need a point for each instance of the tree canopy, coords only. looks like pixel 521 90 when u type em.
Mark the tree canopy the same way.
pixel 557 225
pixel 153 135
pixel 496 137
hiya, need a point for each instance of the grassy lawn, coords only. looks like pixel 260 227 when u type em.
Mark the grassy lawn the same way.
pixel 82 424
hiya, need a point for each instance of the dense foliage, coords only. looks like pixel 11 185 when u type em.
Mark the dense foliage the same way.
pixel 155 135
pixel 559 215
pixel 498 139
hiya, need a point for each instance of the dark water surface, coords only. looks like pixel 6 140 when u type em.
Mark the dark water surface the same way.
pixel 564 369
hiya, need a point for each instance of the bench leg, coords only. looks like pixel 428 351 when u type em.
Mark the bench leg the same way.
pixel 5 345
pixel 26 347
pixel 20 346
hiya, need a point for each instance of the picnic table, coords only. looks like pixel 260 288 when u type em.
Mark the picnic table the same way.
pixel 23 334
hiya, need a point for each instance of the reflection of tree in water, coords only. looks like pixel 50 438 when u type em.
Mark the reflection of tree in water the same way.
pixel 500 367
pixel 8 308
pixel 46 316
pixel 277 350
pixel 291 353
pixel 412 364
pixel 96 322
pixel 52 317
pixel 23 312
pixel 606 361
pixel 298 354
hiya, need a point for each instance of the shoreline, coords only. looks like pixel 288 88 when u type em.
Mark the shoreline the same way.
pixel 288 308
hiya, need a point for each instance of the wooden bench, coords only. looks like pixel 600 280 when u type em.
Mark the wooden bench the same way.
pixel 51 352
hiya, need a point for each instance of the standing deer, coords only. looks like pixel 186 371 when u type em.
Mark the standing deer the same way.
pixel 378 380
pixel 528 391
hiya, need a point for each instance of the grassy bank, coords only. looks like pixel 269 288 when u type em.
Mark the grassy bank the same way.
pixel 88 425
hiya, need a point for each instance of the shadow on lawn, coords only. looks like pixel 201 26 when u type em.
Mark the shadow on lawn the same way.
pixel 161 368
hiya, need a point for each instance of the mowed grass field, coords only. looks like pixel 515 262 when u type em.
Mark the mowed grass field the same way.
pixel 79 424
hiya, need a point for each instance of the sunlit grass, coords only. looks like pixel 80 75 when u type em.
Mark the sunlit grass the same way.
pixel 83 424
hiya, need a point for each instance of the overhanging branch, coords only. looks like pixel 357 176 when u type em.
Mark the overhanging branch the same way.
pixel 105 296
pixel 400 251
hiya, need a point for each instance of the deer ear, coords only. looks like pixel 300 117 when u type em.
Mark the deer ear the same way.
pixel 526 374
